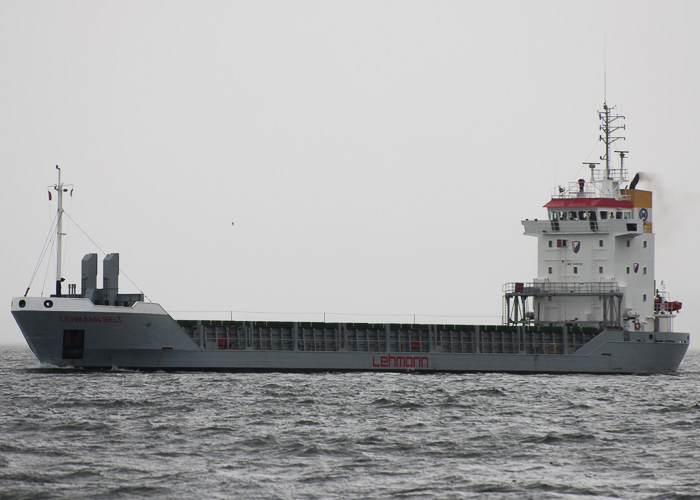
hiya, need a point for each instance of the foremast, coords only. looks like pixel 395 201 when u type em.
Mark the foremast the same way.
pixel 60 189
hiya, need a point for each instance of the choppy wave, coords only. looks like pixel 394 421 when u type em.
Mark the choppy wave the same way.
pixel 124 434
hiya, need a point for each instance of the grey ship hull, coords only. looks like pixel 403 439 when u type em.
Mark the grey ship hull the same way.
pixel 75 332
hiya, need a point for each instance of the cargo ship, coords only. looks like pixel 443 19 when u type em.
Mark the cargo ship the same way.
pixel 594 307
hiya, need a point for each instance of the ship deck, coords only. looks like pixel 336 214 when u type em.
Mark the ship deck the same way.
pixel 391 337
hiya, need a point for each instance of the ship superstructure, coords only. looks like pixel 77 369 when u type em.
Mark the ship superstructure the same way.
pixel 594 307
pixel 595 253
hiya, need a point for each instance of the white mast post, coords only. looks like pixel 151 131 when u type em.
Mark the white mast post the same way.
pixel 59 233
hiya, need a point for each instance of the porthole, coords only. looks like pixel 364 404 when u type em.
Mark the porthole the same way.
pixel 22 303
pixel 48 304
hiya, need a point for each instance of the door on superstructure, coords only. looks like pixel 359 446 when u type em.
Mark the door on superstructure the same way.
pixel 73 344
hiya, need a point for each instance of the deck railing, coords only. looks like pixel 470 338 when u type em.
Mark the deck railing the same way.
pixel 562 288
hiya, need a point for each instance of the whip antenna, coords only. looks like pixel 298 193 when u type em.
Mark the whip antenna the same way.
pixel 605 68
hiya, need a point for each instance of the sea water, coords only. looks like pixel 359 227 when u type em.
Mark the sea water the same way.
pixel 70 433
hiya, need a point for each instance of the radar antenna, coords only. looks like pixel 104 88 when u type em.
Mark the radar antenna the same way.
pixel 622 159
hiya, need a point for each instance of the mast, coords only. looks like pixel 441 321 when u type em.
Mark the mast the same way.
pixel 609 128
pixel 606 129
pixel 59 233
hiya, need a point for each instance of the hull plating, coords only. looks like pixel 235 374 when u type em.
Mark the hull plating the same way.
pixel 146 337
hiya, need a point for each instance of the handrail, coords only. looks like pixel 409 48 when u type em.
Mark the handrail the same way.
pixel 562 288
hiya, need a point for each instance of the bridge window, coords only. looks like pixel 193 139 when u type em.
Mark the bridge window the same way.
pixel 628 215
pixel 618 215
pixel 573 215
pixel 603 215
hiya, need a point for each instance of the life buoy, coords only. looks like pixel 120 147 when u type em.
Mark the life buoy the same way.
pixel 637 326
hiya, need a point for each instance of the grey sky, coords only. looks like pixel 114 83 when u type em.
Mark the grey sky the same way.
pixel 376 157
